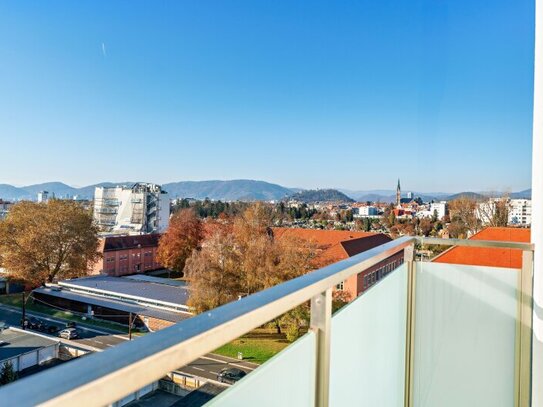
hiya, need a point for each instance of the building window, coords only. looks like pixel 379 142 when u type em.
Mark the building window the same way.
pixel 340 286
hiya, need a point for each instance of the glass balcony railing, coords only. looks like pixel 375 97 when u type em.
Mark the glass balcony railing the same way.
pixel 428 334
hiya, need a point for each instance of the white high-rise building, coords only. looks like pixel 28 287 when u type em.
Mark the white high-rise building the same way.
pixel 141 208
pixel 439 208
pixel 520 211
pixel 43 196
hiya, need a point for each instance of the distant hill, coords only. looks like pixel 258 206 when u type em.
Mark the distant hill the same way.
pixel 58 188
pixel 471 195
pixel 241 189
pixel 9 192
pixel 88 191
pixel 321 195
pixel 234 190
pixel 526 194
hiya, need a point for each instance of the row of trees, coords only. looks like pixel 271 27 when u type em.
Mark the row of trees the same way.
pixel 211 209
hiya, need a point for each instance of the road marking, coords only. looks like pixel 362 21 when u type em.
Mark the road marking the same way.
pixel 197 368
pixel 227 362
pixel 213 372
pixel 120 337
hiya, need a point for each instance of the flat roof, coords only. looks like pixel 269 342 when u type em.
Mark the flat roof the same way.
pixel 18 342
pixel 157 280
pixel 131 289
pixel 115 304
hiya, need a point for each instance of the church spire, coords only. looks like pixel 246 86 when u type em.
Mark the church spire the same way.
pixel 398 194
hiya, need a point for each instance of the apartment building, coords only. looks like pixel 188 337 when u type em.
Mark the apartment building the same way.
pixel 520 212
pixel 140 208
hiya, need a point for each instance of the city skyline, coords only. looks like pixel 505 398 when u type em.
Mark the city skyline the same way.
pixel 345 97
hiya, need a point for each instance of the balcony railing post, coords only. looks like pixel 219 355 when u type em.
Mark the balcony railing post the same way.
pixel 409 259
pixel 321 319
pixel 523 340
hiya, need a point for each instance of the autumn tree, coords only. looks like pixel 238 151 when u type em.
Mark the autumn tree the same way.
pixel 214 273
pixel 44 242
pixel 425 226
pixel 501 214
pixel 463 216
pixel 494 212
pixel 244 260
pixel 184 234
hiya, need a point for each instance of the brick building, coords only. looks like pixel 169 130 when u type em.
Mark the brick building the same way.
pixel 337 245
pixel 122 255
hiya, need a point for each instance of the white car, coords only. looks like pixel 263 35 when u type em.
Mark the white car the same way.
pixel 68 333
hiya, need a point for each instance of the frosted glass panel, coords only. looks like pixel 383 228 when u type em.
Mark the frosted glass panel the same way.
pixel 368 346
pixel 285 380
pixel 464 335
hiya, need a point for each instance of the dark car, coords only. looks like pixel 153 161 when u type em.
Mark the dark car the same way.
pixel 70 324
pixel 230 375
pixel 36 324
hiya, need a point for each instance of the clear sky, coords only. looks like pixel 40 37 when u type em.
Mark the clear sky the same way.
pixel 350 94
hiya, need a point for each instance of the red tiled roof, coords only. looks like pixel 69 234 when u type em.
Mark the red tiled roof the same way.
pixel 335 245
pixel 478 256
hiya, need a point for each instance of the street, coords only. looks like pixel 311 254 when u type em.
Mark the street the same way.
pixel 207 366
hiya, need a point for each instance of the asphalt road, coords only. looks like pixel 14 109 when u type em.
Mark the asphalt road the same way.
pixel 210 365
pixel 98 338
pixel 206 367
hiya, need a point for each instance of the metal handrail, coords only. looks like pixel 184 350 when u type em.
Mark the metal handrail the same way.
pixel 475 243
pixel 108 376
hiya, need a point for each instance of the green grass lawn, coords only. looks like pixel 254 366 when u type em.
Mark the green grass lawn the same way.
pixel 16 300
pixel 257 346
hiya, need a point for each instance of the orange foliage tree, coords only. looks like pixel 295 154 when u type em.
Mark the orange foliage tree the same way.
pixel 45 242
pixel 183 236
pixel 244 259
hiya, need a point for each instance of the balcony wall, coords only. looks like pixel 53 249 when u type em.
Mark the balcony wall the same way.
pixel 464 346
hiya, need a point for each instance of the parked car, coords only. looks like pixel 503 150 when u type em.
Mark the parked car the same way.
pixel 36 324
pixel 70 324
pixel 68 333
pixel 230 375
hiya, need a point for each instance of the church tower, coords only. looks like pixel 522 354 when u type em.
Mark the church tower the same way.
pixel 398 194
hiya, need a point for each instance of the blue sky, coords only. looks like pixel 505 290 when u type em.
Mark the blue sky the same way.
pixel 350 94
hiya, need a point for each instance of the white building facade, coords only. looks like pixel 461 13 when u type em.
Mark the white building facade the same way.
pixel 430 210
pixel 520 212
pixel 439 208
pixel 141 208
pixel 365 211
